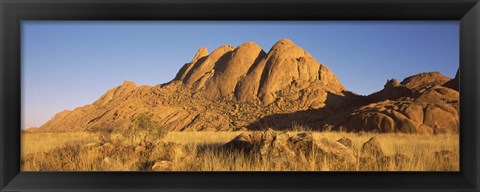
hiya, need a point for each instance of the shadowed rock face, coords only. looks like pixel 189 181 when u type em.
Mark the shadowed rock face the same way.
pixel 454 83
pixel 245 88
pixel 391 90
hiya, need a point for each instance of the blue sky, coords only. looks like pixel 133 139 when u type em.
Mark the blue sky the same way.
pixel 69 64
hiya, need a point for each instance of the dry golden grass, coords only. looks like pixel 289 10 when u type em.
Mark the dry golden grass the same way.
pixel 42 142
pixel 420 148
pixel 200 137
pixel 63 152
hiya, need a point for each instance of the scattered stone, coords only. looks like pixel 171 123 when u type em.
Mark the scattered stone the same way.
pixel 336 152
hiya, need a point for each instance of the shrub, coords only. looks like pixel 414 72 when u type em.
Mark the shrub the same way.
pixel 144 130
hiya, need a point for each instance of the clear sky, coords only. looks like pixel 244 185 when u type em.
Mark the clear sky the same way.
pixel 69 64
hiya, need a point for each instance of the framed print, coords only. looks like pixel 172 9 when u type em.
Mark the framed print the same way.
pixel 239 95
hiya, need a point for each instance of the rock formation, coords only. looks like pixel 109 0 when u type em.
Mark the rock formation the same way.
pixel 245 88
pixel 419 104
pixel 391 90
pixel 424 80
pixel 247 73
pixel 372 148
pixel 285 149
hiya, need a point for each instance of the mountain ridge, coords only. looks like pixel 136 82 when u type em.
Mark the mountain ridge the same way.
pixel 241 88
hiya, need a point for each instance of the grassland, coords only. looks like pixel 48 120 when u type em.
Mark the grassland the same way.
pixel 198 152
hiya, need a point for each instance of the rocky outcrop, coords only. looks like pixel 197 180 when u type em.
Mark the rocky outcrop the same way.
pixel 391 90
pixel 245 88
pixel 434 111
pixel 412 86
pixel 372 148
pixel 202 70
pixel 439 94
pixel 285 149
pixel 418 104
pixel 248 74
pixel 200 55
pixel 289 67
pixel 231 70
pixel 424 80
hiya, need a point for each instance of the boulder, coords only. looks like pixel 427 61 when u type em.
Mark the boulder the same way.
pixel 439 94
pixel 245 142
pixel 435 111
pixel 281 148
pixel 335 152
pixel 372 148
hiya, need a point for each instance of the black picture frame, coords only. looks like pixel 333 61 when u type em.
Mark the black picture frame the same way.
pixel 12 12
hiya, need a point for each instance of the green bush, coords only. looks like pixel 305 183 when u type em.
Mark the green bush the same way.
pixel 143 130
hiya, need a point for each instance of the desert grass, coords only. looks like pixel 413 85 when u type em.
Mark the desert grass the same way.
pixel 199 151
pixel 199 138
pixel 43 142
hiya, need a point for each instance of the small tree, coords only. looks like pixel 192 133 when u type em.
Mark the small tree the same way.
pixel 144 130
